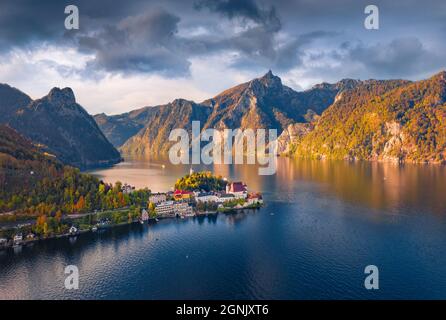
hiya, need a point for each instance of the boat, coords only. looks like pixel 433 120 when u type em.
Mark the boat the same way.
pixel 73 231
pixel 94 229
pixel 18 239
pixel 141 221
pixel 156 219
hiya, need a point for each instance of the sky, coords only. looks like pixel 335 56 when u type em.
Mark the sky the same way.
pixel 135 53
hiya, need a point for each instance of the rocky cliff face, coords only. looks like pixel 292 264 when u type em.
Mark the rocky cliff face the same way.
pixel 154 137
pixel 261 103
pixel 287 141
pixel 393 120
pixel 389 120
pixel 63 128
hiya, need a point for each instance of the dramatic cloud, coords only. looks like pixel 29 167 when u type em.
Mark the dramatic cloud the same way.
pixel 213 44
pixel 144 43
pixel 245 9
pixel 401 57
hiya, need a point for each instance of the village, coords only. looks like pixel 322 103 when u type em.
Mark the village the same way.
pixel 180 203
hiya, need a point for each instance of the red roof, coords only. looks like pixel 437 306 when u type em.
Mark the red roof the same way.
pixel 254 195
pixel 237 187
pixel 182 192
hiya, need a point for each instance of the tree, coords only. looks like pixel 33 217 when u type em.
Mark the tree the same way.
pixel 80 205
pixel 58 215
pixel 152 210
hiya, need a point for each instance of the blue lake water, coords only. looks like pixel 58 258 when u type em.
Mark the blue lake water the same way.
pixel 323 222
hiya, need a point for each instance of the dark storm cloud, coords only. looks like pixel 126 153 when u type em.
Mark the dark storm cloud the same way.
pixel 29 22
pixel 404 57
pixel 260 49
pixel 22 22
pixel 149 42
pixel 246 9
pixel 258 44
pixel 400 57
pixel 145 36
pixel 142 43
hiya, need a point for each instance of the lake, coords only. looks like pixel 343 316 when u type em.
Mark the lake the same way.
pixel 323 222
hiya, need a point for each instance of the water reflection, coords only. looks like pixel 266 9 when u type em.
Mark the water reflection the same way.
pixel 321 224
pixel 398 189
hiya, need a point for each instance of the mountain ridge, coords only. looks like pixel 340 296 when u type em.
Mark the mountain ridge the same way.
pixel 328 120
pixel 403 122
pixel 263 102
pixel 60 125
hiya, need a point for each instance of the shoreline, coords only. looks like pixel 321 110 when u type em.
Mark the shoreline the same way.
pixel 355 160
pixel 197 214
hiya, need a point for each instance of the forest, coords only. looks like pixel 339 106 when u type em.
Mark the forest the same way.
pixel 203 181
pixel 34 183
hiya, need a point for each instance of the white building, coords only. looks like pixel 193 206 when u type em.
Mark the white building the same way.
pixel 206 197
pixel 157 198
pixel 183 209
pixel 18 238
pixel 144 215
pixel 165 209
pixel 171 209
pixel 225 197
pixel 238 189
pixel 254 200
pixel 73 230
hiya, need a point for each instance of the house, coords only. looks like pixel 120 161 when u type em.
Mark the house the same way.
pixel 73 230
pixel 144 215
pixel 206 197
pixel 238 189
pixel 126 188
pixel 30 236
pixel 225 197
pixel 18 238
pixel 165 209
pixel 254 198
pixel 182 195
pixel 183 209
pixel 157 198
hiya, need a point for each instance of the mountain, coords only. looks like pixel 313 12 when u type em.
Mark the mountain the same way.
pixel 154 137
pixel 22 164
pixel 260 103
pixel 35 183
pixel 266 103
pixel 11 99
pixel 118 129
pixel 60 125
pixel 382 120
pixel 292 135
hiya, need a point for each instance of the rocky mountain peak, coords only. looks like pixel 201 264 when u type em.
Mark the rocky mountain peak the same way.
pixel 270 80
pixel 63 96
pixel 180 102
